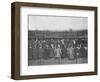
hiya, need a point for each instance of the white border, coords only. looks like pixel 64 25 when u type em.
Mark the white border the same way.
pixel 37 70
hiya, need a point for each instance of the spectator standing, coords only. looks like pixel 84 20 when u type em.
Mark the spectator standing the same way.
pixel 58 54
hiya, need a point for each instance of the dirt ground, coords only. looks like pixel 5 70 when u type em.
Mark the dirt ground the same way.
pixel 54 61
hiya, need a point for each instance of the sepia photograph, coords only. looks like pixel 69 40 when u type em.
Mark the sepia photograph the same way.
pixel 54 40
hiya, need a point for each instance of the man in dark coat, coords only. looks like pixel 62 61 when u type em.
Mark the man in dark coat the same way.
pixel 41 50
pixel 82 51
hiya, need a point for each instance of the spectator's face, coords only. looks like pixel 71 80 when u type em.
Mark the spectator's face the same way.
pixel 52 45
pixel 58 46
pixel 47 46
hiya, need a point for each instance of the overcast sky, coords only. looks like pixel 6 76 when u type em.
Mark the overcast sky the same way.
pixel 57 23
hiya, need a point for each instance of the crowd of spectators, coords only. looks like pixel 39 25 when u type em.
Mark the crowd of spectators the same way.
pixel 57 48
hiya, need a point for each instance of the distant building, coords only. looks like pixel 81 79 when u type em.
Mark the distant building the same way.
pixel 79 34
